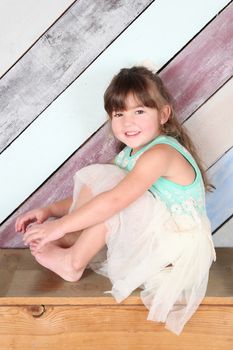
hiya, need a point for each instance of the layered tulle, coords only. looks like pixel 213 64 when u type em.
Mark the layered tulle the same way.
pixel 167 257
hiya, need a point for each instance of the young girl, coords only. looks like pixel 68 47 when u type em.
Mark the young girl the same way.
pixel 140 221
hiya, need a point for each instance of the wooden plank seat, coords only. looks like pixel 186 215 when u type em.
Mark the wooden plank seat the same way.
pixel 38 310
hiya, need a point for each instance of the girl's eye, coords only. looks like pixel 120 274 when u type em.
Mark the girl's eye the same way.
pixel 117 114
pixel 140 111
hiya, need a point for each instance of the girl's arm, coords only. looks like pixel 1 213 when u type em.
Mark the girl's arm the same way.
pixel 149 167
pixel 39 215
pixel 60 208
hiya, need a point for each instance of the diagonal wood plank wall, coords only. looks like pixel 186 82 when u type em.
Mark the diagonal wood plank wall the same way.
pixel 193 76
pixel 21 28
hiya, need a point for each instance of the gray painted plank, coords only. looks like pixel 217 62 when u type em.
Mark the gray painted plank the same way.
pixel 65 50
pixel 219 203
pixel 21 27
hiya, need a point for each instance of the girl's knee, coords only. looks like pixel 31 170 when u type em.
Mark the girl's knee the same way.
pixel 85 195
pixel 68 240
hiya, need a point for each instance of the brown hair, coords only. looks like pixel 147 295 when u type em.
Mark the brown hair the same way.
pixel 149 89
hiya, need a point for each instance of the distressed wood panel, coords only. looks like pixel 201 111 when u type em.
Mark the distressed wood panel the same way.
pixel 46 312
pixel 53 63
pixel 32 146
pixel 60 55
pixel 196 73
pixel 42 286
pixel 21 27
pixel 60 185
pixel 212 125
pixel 113 328
pixel 219 203
pixel 224 236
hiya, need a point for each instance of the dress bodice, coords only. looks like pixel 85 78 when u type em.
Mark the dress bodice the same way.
pixel 189 199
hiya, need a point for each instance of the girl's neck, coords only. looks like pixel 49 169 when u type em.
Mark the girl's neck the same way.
pixel 135 150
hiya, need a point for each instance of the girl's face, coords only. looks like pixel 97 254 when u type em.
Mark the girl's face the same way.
pixel 137 125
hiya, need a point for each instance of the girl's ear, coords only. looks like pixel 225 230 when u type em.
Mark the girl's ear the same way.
pixel 165 114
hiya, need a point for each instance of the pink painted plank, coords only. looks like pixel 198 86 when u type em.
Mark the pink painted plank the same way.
pixel 203 66
pixel 192 77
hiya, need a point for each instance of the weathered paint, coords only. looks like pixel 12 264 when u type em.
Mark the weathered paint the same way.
pixel 98 149
pixel 212 125
pixel 219 203
pixel 224 236
pixel 59 57
pixel 8 237
pixel 204 66
pixel 21 27
pixel 65 117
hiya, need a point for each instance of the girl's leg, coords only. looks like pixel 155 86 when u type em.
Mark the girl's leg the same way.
pixel 85 195
pixel 70 263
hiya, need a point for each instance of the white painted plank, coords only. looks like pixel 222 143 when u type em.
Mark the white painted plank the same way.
pixel 212 125
pixel 22 23
pixel 78 112
pixel 224 236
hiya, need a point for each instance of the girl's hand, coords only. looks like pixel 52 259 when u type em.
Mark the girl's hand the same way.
pixel 33 216
pixel 43 233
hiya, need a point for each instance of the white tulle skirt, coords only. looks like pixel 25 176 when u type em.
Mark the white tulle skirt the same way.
pixel 147 248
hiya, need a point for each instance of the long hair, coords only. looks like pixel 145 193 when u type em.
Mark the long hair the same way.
pixel 149 89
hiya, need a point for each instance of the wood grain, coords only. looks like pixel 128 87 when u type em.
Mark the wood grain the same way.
pixel 41 286
pixel 59 319
pixel 96 327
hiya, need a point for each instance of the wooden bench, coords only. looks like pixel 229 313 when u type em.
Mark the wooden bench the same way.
pixel 38 310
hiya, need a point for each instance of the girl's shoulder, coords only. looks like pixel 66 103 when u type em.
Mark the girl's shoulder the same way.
pixel 173 144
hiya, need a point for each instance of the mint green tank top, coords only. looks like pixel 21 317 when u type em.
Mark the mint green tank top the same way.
pixel 179 199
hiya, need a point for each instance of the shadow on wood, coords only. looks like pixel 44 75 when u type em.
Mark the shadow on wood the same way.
pixel 41 311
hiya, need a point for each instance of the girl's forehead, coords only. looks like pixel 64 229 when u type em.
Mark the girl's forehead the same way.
pixel 132 101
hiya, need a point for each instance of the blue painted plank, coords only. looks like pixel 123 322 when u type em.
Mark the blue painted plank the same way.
pixel 224 237
pixel 220 202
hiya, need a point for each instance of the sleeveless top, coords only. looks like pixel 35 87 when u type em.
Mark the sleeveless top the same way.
pixel 179 199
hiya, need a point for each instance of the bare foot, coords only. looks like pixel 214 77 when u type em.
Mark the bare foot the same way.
pixel 57 260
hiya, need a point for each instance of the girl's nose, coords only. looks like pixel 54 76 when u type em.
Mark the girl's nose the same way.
pixel 128 120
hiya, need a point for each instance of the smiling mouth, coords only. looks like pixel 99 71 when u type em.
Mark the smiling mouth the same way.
pixel 132 133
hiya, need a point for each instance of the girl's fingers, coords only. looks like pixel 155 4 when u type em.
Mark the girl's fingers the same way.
pixel 23 221
pixel 31 237
pixel 18 226
pixel 31 230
